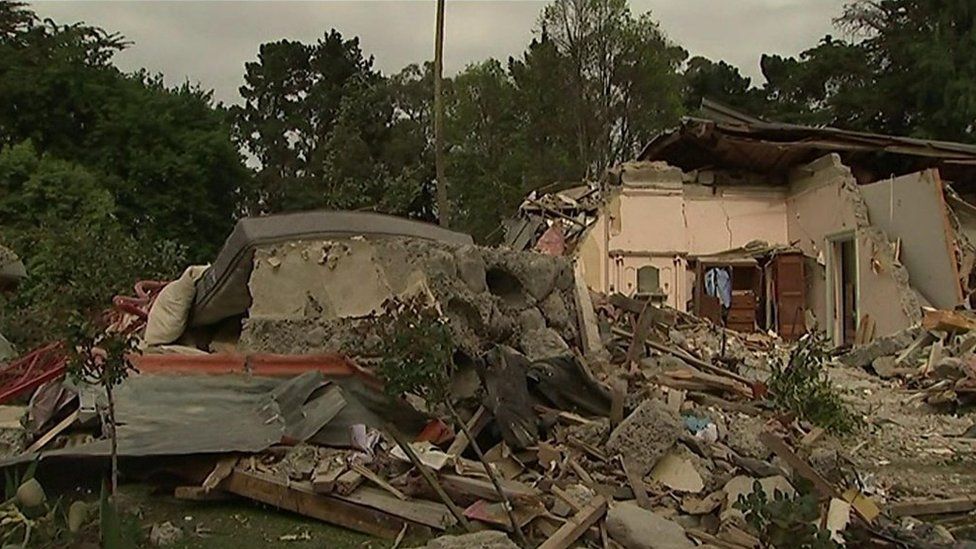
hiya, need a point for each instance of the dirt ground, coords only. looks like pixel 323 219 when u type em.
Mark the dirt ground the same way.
pixel 907 448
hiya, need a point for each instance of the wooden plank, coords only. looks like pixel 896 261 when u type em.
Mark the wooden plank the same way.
pixel 865 508
pixel 223 469
pixel 935 355
pixel 579 523
pixel 931 507
pixel 799 466
pixel 428 476
pixel 478 421
pixel 636 484
pixel 947 321
pixel 53 432
pixel 676 397
pixel 326 474
pixel 686 356
pixel 375 479
pixel 618 395
pixel 693 380
pixel 645 321
pixel 921 341
pixel 298 497
pixel 588 327
pixel 429 513
pixel 347 482
pixel 483 489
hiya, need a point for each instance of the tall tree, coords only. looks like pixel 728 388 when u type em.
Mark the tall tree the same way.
pixel 623 77
pixel 908 68
pixel 320 121
pixel 165 155
pixel 486 148
pixel 706 79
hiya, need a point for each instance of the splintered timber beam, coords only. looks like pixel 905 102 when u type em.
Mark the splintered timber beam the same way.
pixel 299 498
pixel 578 524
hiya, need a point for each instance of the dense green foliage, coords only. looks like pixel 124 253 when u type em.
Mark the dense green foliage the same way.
pixel 105 178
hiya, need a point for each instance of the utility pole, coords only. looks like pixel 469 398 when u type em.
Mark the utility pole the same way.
pixel 443 207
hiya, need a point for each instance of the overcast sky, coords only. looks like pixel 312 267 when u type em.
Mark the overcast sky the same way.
pixel 209 41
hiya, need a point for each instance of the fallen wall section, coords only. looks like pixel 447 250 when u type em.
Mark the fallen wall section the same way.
pixel 312 297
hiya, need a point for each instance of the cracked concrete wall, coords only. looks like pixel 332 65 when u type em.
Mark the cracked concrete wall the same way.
pixel 912 208
pixel 820 204
pixel 315 296
pixel 657 219
pixel 825 200
pixel 722 218
pixel 883 285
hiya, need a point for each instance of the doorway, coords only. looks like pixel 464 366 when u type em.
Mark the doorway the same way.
pixel 842 299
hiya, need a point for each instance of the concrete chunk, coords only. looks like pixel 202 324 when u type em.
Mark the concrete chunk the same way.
pixel 637 528
pixel 646 435
pixel 488 539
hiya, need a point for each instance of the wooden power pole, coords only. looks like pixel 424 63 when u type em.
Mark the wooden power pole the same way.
pixel 443 207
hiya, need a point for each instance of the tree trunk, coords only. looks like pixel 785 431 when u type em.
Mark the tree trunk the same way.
pixel 115 439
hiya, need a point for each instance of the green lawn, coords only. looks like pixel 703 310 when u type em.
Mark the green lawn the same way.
pixel 238 524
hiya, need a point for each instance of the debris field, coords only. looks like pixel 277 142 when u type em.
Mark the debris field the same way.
pixel 562 417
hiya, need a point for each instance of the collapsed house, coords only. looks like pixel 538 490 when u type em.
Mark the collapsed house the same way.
pixel 575 417
pixel 851 232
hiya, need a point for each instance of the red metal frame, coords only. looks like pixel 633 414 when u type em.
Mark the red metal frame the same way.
pixel 32 370
pixel 331 365
pixel 49 361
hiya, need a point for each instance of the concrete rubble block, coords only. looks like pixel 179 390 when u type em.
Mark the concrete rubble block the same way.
pixel 743 436
pixel 542 344
pixel 471 268
pixel 342 279
pixel 488 539
pixel 863 356
pixel 594 433
pixel 538 274
pixel 637 528
pixel 554 309
pixel 531 320
pixel 646 435
pixel 639 174
pixel 165 533
pixel 678 473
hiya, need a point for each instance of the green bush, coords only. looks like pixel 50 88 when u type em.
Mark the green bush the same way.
pixel 801 386
pixel 785 522
pixel 417 351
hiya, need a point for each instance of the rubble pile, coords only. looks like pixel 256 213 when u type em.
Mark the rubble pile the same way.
pixel 570 419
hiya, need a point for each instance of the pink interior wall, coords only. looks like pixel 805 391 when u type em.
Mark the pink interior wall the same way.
pixel 661 224
pixel 731 218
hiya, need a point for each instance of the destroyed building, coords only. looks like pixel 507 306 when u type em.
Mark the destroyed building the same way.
pixel 570 416
pixel 848 231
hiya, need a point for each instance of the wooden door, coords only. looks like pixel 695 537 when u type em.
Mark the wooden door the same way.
pixel 790 290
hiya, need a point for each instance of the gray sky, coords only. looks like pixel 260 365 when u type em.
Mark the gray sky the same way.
pixel 209 41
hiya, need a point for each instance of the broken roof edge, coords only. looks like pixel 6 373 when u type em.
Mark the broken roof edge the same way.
pixel 719 125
